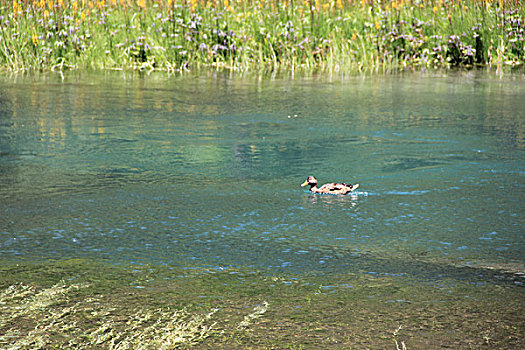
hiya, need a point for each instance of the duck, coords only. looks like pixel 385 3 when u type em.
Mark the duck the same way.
pixel 332 188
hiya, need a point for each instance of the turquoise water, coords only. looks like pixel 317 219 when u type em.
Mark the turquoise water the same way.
pixel 205 171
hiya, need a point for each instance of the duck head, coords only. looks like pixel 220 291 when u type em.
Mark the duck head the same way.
pixel 312 181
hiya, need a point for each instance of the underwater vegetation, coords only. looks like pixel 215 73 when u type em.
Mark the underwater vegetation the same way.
pixel 78 304
pixel 177 35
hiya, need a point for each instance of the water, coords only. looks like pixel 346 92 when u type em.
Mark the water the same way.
pixel 204 171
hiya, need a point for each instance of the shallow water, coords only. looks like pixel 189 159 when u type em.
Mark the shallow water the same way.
pixel 204 171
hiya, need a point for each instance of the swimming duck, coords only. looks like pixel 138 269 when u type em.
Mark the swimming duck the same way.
pixel 333 188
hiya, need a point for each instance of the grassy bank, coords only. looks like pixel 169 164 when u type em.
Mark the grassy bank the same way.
pixel 247 34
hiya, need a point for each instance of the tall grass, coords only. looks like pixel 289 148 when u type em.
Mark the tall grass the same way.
pixel 254 34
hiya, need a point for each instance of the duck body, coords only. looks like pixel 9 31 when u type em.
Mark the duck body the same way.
pixel 331 188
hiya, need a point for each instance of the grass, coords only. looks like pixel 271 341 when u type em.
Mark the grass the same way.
pixel 330 35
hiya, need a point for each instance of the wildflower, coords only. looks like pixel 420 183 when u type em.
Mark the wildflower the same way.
pixel 193 5
pixel 141 4
pixel 46 14
pixel 35 37
pixel 82 16
pixel 16 8
pixel 435 9
pixel 74 5
pixel 378 25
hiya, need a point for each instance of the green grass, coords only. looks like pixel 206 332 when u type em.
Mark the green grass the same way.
pixel 247 34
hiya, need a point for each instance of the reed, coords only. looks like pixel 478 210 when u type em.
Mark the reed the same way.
pixel 260 34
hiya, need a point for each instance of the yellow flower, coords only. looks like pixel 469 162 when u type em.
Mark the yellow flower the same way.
pixel 170 2
pixel 16 8
pixel 465 7
pixel 74 5
pixel 35 37
pixel 378 25
pixel 141 4
pixel 339 4
pixel 354 36
pixel 82 16
pixel 435 9
pixel 46 14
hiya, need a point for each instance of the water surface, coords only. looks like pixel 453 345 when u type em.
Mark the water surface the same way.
pixel 204 171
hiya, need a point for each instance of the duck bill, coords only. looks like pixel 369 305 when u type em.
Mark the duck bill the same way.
pixel 304 183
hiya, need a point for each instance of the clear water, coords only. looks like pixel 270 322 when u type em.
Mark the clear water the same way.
pixel 206 170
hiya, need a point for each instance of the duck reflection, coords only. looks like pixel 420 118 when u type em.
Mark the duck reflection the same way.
pixel 349 200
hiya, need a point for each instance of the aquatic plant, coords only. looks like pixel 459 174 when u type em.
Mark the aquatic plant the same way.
pixel 154 307
pixel 258 311
pixel 39 318
pixel 247 34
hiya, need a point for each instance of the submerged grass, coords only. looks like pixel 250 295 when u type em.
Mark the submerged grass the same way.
pixel 32 320
pixel 258 34
pixel 102 307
